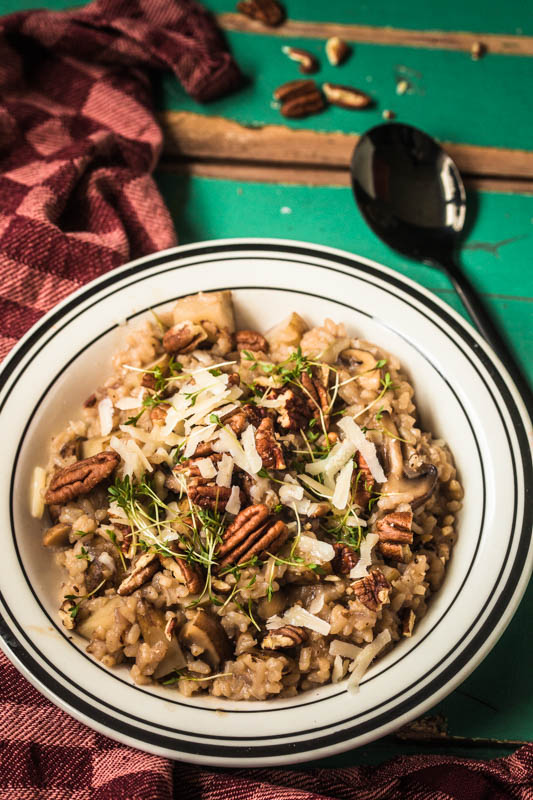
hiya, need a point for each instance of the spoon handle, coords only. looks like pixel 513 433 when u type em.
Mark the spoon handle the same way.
pixel 486 327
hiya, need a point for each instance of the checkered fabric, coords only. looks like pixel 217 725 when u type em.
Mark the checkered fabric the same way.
pixel 78 141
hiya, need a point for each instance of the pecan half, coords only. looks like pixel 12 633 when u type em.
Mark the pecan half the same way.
pixel 145 567
pixel 295 412
pixel 252 533
pixel 81 477
pixel 362 483
pixel 269 12
pixel 251 340
pixel 346 96
pixel 337 50
pixel 372 590
pixel 184 573
pixel 307 61
pixel 184 337
pixel 244 416
pixel 288 636
pixel 344 560
pixel 396 527
pixel 318 399
pixel 299 98
pixel 270 450
pixel 213 498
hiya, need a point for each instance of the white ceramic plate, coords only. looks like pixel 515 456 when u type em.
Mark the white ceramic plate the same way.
pixel 463 393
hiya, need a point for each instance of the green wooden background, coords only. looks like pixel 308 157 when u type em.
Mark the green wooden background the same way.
pixel 485 102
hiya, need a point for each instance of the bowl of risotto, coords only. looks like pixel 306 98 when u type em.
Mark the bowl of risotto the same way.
pixel 265 502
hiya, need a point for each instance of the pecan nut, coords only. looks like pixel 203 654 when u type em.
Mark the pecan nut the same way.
pixel 184 573
pixel 80 477
pixel 246 415
pixel 395 551
pixel 344 560
pixel 362 483
pixel 337 51
pixel 318 399
pixel 346 96
pixel 145 567
pixel 252 533
pixel 396 527
pixel 158 413
pixel 288 636
pixel 295 412
pixel 213 498
pixel 373 590
pixel 269 12
pixel 251 340
pixel 269 449
pixel 299 98
pixel 184 337
pixel 307 61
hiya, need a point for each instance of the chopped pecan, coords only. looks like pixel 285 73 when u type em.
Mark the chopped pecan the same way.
pixel 251 340
pixel 148 380
pixel 307 61
pixel 90 402
pixel 81 477
pixel 288 636
pixel 210 497
pixel 184 573
pixel 295 412
pixel 318 399
pixel 145 567
pixel 244 416
pixel 372 590
pixel 269 12
pixel 270 450
pixel 159 412
pixel 192 466
pixel 344 560
pixel 396 527
pixel 395 551
pixel 299 98
pixel 204 449
pixel 346 96
pixel 408 618
pixel 234 379
pixel 362 483
pixel 337 50
pixel 184 337
pixel 252 533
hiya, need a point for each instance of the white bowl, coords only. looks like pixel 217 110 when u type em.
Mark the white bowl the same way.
pixel 463 393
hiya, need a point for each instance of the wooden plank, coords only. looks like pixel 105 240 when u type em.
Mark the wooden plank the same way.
pixel 372 34
pixel 198 136
pixel 313 176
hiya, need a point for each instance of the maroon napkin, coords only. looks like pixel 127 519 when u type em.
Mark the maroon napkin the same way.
pixel 78 143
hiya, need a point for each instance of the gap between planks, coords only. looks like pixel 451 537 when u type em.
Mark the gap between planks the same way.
pixel 506 44
pixel 201 138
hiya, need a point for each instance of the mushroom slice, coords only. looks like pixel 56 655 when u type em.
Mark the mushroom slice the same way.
pixel 207 637
pixel 103 616
pixel 363 363
pixel 404 485
pixel 57 535
pixel 216 307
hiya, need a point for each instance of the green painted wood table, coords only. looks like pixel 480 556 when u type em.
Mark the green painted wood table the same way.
pixel 237 168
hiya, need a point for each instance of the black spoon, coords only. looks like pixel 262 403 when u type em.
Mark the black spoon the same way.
pixel 411 194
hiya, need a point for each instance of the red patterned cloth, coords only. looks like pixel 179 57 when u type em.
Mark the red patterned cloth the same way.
pixel 78 141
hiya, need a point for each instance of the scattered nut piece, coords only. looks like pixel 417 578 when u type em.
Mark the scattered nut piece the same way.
pixel 346 96
pixel 184 337
pixel 145 567
pixel 288 636
pixel 477 50
pixel 82 476
pixel 402 87
pixel 251 340
pixel 345 558
pixel 372 590
pixel 337 50
pixel 388 114
pixel 307 61
pixel 269 12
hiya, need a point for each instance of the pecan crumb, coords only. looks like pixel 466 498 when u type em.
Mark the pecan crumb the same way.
pixel 372 590
pixel 269 449
pixel 269 12
pixel 287 636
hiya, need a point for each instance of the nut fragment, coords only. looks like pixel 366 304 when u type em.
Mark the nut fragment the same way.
pixel 159 413
pixel 307 61
pixel 269 449
pixel 362 483
pixel 299 98
pixel 344 560
pixel 146 565
pixel 477 50
pixel 288 636
pixel 408 622
pixel 388 114
pixel 184 337
pixel 213 498
pixel 82 476
pixel 57 535
pixel 242 417
pixel 318 399
pixel 337 50
pixel 252 532
pixel 184 573
pixel 296 410
pixel 396 527
pixel 251 340
pixel 395 551
pixel 372 590
pixel 269 12
pixel 346 96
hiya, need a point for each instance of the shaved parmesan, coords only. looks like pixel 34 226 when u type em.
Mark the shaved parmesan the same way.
pixel 342 487
pixel 362 662
pixel 227 442
pixel 225 471
pixel 365 560
pixel 315 486
pixel 38 482
pixel 200 434
pixel 274 402
pixel 127 403
pixel 255 462
pixel 290 492
pixel 105 415
pixel 206 467
pixel 337 673
pixel 233 506
pixel 353 521
pixel 337 458
pixel 344 649
pixel 317 603
pixel 300 617
pixel 314 550
pixel 355 435
pixel 135 462
pixel 107 560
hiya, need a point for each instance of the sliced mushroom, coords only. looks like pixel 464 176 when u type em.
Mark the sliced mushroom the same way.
pixel 57 535
pixel 207 637
pixel 363 363
pixel 403 485
pixel 216 307
pixel 103 616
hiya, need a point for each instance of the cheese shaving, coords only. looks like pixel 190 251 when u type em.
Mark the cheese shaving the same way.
pixel 225 471
pixel 337 458
pixel 337 673
pixel 355 435
pixel 105 415
pixel 344 649
pixel 255 462
pixel 362 662
pixel 316 487
pixel 314 550
pixel 38 482
pixel 342 486
pixel 200 434
pixel 128 403
pixel 233 506
pixel 289 492
pixel 365 560
pixel 300 617
pixel 206 467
